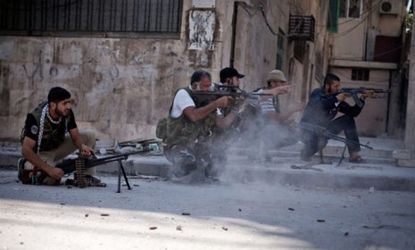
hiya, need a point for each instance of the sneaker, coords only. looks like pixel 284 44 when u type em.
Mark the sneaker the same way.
pixel 20 167
pixel 357 159
pixel 94 182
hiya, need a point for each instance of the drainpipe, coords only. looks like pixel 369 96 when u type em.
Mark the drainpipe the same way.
pixel 234 20
pixel 389 101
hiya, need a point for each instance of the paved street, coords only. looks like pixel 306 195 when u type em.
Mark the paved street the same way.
pixel 158 214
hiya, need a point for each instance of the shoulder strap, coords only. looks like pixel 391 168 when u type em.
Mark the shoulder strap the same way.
pixel 188 90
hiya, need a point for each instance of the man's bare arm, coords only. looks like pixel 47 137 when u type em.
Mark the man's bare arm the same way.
pixel 28 153
pixel 196 114
pixel 225 122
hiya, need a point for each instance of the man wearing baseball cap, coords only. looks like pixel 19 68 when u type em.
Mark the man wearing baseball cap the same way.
pixel 230 76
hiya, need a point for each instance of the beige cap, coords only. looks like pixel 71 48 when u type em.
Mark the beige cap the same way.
pixel 276 75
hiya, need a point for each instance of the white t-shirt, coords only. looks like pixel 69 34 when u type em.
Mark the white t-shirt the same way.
pixel 181 101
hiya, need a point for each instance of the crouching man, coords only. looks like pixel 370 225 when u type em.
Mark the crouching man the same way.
pixel 45 140
pixel 188 130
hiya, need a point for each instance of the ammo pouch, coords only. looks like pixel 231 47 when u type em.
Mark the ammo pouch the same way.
pixel 161 129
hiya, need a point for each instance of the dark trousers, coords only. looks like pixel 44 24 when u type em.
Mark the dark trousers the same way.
pixel 314 142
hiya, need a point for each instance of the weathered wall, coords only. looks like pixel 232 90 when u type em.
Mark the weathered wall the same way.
pixel 123 86
pixel 119 85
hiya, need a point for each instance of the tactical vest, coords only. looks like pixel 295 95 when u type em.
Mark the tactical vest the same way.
pixel 51 138
pixel 181 130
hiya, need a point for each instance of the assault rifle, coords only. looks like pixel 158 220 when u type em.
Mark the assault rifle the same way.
pixel 206 97
pixel 354 91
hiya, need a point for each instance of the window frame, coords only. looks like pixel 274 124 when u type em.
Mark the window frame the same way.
pixel 124 23
pixel 348 9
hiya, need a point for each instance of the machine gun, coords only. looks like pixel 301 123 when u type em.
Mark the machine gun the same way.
pixel 355 91
pixel 81 163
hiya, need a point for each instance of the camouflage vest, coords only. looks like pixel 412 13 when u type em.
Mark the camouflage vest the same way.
pixel 51 138
pixel 182 131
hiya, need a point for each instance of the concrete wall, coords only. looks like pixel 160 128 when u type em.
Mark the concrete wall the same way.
pixel 123 86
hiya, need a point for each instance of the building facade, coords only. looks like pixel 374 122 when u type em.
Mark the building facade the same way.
pixel 123 60
pixel 366 51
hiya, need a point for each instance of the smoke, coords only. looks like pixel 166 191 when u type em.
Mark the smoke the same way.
pixel 248 148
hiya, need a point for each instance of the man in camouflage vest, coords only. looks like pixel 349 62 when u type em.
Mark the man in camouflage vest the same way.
pixel 45 139
pixel 188 130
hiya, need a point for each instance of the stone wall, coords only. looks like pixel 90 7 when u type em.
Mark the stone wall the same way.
pixel 122 86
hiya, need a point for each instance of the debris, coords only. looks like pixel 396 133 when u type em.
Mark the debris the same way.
pixel 225 228
pixel 346 234
pixel 240 210
pixel 153 228
pixel 62 203
pixel 179 228
pixel 86 215
pixel 136 185
pixel 306 167
pixel 21 243
pixel 68 187
pixel 291 209
pixel 321 220
pixel 392 227
pixel 186 213
pixel 371 189
pixel 105 215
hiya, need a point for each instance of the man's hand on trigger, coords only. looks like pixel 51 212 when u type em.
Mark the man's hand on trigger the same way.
pixel 55 173
pixel 224 101
pixel 342 97
pixel 85 150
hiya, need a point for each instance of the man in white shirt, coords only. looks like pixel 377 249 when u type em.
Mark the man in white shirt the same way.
pixel 190 127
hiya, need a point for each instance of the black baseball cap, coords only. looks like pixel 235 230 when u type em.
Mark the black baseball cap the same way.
pixel 229 72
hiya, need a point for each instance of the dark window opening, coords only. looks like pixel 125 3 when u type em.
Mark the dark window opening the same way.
pixel 59 17
pixel 299 50
pixel 360 74
pixel 350 8
pixel 280 50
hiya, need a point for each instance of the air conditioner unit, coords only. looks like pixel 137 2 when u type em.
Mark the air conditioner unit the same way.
pixel 389 7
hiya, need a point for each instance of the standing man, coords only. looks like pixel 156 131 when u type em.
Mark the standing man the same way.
pixel 188 130
pixel 322 108
pixel 45 139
